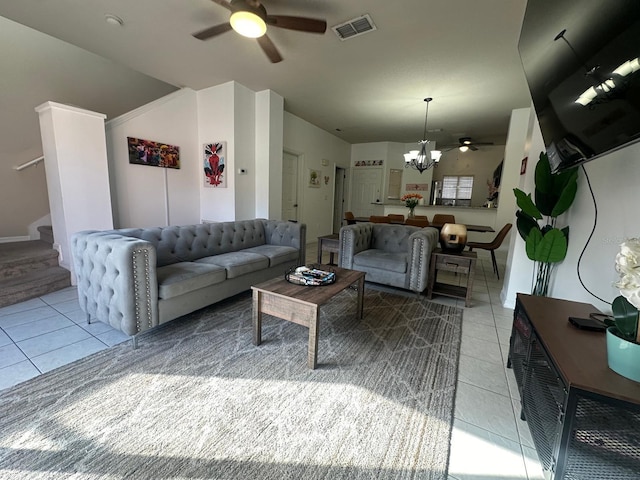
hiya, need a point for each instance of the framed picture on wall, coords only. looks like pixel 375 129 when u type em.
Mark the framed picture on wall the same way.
pixel 314 178
pixel 214 155
pixel 154 154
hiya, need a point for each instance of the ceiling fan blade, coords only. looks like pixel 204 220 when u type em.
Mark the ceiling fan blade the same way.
pixel 212 31
pixel 472 147
pixel 301 24
pixel 224 3
pixel 269 48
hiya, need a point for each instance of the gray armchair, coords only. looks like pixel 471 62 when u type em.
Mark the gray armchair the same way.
pixel 390 254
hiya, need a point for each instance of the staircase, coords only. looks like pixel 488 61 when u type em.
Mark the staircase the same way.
pixel 30 269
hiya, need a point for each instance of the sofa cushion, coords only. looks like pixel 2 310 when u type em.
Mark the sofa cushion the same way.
pixel 373 258
pixel 276 254
pixel 237 263
pixel 182 277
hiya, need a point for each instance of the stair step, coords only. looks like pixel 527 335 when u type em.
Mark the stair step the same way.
pixel 20 258
pixel 33 284
pixel 46 233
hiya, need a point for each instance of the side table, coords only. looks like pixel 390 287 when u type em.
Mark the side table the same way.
pixel 328 243
pixel 463 263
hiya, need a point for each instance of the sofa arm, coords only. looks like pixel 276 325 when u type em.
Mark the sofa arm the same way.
pixel 289 234
pixel 353 240
pixel 116 278
pixel 421 244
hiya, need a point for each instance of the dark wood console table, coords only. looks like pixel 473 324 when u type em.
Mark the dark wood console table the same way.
pixel 583 417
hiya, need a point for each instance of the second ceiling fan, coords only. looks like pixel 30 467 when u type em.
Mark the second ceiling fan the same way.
pixel 250 18
pixel 466 143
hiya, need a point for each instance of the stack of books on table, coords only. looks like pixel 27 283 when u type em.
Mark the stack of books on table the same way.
pixel 311 276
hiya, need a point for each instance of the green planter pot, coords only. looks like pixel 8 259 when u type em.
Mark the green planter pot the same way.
pixel 623 356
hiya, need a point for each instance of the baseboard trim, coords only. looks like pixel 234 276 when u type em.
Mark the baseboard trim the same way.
pixel 24 238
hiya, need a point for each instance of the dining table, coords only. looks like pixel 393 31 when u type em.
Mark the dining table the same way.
pixel 470 227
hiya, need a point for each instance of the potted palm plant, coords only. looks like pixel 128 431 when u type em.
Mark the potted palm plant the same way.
pixel 537 221
pixel 623 334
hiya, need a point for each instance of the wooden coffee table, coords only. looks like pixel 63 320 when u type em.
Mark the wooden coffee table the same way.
pixel 301 304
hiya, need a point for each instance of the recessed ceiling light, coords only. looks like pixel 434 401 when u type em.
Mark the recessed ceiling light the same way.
pixel 113 20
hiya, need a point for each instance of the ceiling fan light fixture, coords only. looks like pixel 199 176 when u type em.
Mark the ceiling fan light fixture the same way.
pixel 464 148
pixel 248 24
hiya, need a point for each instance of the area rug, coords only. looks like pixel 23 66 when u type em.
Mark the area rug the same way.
pixel 198 400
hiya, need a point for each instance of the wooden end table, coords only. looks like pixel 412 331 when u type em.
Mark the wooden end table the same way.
pixel 328 243
pixel 301 304
pixel 463 263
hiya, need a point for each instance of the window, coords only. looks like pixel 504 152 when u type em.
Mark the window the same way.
pixel 457 188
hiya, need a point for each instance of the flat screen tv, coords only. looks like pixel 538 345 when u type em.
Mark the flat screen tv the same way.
pixel 581 61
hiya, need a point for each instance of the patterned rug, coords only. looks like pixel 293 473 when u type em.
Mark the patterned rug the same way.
pixel 198 400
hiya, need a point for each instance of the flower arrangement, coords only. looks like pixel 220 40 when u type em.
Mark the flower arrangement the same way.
pixel 625 307
pixel 411 200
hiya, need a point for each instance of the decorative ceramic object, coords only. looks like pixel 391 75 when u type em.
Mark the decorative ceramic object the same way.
pixel 623 356
pixel 453 237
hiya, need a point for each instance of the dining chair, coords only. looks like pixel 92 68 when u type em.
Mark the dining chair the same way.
pixel 379 219
pixel 421 217
pixel 492 246
pixel 417 222
pixel 350 218
pixel 396 218
pixel 441 219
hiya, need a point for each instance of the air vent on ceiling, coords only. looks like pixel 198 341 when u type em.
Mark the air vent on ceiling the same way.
pixel 354 27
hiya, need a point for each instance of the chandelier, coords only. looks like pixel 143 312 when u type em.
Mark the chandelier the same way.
pixel 424 158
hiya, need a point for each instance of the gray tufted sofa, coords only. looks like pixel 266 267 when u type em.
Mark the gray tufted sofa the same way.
pixel 390 254
pixel 135 279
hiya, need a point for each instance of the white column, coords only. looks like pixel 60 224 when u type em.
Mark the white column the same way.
pixel 74 146
pixel 269 148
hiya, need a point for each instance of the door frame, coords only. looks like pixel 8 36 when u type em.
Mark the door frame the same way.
pixel 299 183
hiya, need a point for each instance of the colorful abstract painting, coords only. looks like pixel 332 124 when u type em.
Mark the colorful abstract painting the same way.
pixel 214 163
pixel 154 154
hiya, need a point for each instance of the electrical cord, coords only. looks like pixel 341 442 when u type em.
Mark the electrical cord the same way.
pixel 595 223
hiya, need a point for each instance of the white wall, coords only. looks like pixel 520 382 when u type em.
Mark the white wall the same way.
pixel 269 148
pixel 614 178
pixel 522 140
pixel 313 145
pixel 216 123
pixel 145 196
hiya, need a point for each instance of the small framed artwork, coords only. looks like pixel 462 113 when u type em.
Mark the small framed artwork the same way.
pixel 314 178
pixel 214 155
pixel 523 166
pixel 153 154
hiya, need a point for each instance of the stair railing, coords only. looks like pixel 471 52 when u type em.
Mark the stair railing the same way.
pixel 35 161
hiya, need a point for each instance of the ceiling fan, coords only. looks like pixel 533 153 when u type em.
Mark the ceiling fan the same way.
pixel 467 143
pixel 250 18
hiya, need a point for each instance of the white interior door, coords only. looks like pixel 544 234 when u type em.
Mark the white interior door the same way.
pixel 366 187
pixel 289 186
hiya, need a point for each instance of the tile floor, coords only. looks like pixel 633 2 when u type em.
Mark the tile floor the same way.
pixel 489 441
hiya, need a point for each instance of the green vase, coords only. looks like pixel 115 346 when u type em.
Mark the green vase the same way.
pixel 623 356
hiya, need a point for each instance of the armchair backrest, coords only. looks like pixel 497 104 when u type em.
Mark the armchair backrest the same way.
pixel 392 238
